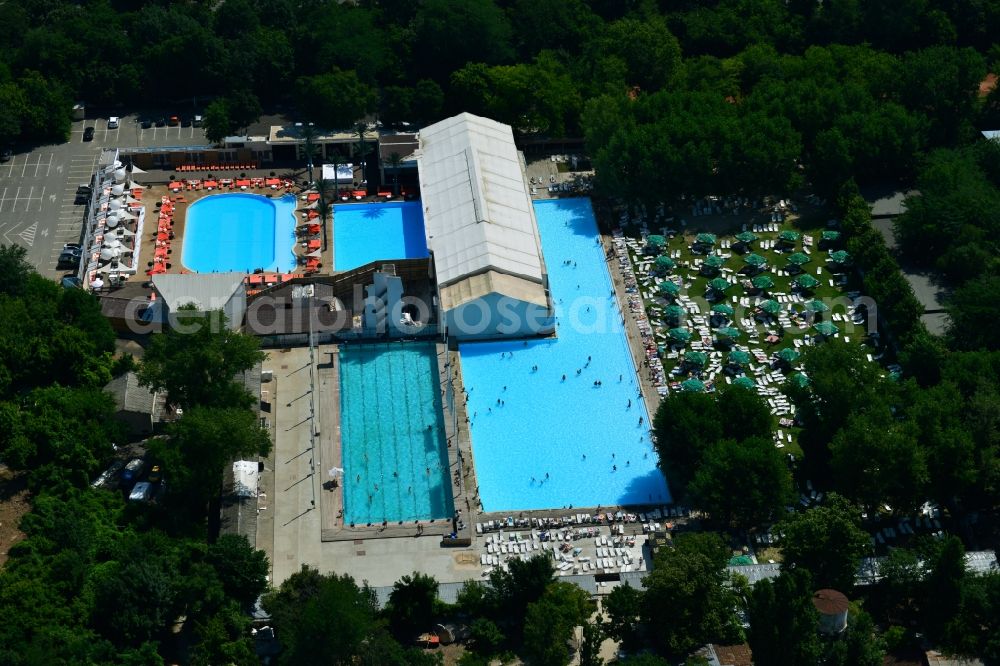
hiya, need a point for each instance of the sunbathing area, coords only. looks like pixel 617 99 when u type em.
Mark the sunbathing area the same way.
pixel 739 304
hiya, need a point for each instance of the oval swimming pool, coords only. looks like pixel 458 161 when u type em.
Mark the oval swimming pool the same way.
pixel 240 232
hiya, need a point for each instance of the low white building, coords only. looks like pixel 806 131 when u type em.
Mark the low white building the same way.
pixel 203 291
pixel 481 231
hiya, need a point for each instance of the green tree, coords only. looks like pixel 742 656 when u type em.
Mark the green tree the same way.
pixel 218 122
pixel 827 541
pixel 687 603
pixel 486 636
pixel 861 644
pixel 328 620
pixel 200 446
pixel 943 591
pixel 335 100
pixel 971 308
pixel 878 460
pixel 623 608
pixel 743 483
pixel 590 648
pixel 783 621
pixel 242 570
pixel 244 108
pixel 449 33
pixel 524 583
pixel 196 361
pixel 549 623
pixel 411 605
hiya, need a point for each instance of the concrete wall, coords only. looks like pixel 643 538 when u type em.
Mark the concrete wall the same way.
pixel 496 316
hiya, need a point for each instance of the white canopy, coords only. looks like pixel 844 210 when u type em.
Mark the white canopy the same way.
pixel 245 478
pixel 117 189
pixel 120 175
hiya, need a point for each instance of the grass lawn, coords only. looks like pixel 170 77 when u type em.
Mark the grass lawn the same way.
pixel 809 222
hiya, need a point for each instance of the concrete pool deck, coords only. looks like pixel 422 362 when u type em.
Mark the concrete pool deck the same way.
pixel 182 200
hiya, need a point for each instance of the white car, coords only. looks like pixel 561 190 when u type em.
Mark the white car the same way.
pixel 113 122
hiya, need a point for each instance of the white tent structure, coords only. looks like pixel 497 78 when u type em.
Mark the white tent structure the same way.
pixel 481 231
pixel 245 477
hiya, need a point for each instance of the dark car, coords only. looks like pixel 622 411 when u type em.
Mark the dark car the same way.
pixel 186 120
pixel 88 134
pixel 146 123
pixel 6 154
pixel 71 282
pixel 68 259
pixel 160 122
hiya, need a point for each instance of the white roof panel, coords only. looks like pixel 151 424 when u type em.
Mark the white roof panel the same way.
pixel 477 211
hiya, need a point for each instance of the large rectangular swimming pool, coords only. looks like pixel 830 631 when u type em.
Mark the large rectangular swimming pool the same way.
pixel 392 434
pixel 368 232
pixel 240 232
pixel 544 433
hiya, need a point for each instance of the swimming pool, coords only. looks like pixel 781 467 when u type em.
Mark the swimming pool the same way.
pixel 363 233
pixel 240 232
pixel 392 434
pixel 541 441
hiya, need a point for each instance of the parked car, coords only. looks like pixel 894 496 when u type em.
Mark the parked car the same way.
pixel 6 154
pixel 108 475
pixel 69 258
pixel 132 470
pixel 88 134
pixel 155 474
pixel 141 492
pixel 174 121
pixel 146 123
pixel 197 122
pixel 185 120
pixel 83 189
pixel 160 122
pixel 71 282
pixel 113 122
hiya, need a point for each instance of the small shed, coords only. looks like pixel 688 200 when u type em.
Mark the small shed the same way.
pixel 139 408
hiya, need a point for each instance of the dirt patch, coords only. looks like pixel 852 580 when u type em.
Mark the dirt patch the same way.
pixel 14 503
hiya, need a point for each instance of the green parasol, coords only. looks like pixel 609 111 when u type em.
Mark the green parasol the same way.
pixel 674 312
pixel 679 334
pixel 806 281
pixel 799 380
pixel 770 306
pixel 719 284
pixel 831 235
pixel 739 357
pixel 789 236
pixel 656 240
pixel 723 309
pixel 826 328
pixel 663 264
pixel 669 288
pixel 746 237
pixel 693 385
pixel 744 382
pixel 799 258
pixel 817 306
pixel 714 261
pixel 705 239
pixel 728 332
pixel 788 355
pixel 696 358
pixel 755 260
pixel 840 257
pixel 762 282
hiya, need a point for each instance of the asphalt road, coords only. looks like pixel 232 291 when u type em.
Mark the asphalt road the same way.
pixel 37 188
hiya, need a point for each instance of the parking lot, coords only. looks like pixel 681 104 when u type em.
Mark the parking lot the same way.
pixel 38 188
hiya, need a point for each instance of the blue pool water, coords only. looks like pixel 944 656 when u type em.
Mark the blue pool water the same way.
pixel 570 430
pixel 392 434
pixel 368 232
pixel 240 232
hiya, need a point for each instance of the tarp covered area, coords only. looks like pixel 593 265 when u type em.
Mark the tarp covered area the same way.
pixel 245 477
